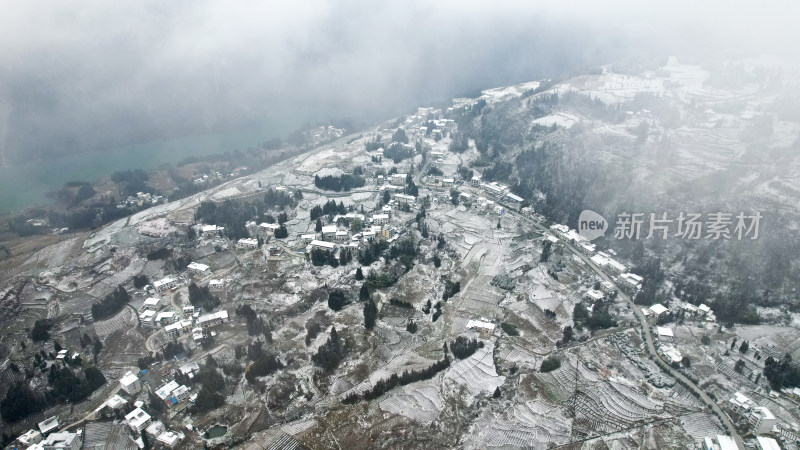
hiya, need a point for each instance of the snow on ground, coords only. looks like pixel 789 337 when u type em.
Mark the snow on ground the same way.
pixel 562 119
pixel 420 401
pixel 157 227
pixel 477 373
pixel 532 424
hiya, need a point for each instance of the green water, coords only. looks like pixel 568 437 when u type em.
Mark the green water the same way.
pixel 216 431
pixel 25 185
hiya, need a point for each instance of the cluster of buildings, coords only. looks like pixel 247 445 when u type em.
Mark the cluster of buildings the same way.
pixel 47 437
pixel 141 199
pixel 152 315
pixel 171 393
pixel 761 420
pixel 323 134
pixel 206 178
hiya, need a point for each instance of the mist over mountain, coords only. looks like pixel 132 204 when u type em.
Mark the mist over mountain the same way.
pixel 92 75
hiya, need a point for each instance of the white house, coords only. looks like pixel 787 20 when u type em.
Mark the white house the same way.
pixel 216 285
pixel 515 199
pixel 147 318
pixel 115 402
pixel 197 267
pixel 322 245
pixel 166 283
pixel 767 443
pixel 664 334
pixel 29 438
pixel 155 428
pixel 632 280
pixel 481 325
pixel 341 236
pixel 380 219
pixel 404 199
pixel 741 401
pixel 63 441
pixel 658 309
pixel 211 230
pixel 329 232
pixel 173 330
pixel 307 238
pixel 268 229
pixel 594 295
pixel 137 419
pixel 446 182
pixel 130 383
pixel 398 178
pixel 608 287
pixel 166 317
pixel 762 419
pixel 213 319
pixel 48 425
pixel 170 438
pixel 151 304
pixel 247 243
pixel 587 248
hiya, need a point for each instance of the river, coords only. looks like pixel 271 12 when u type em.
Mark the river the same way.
pixel 27 184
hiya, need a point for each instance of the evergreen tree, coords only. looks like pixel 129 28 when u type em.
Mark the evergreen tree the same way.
pixel 363 294
pixel 370 314
pixel 318 227
pixel 359 274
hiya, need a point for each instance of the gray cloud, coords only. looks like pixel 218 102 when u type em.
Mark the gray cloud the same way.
pixel 87 75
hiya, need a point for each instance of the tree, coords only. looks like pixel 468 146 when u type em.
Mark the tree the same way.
pixel 411 327
pixel 546 250
pixel 686 361
pixel 318 226
pixel 336 300
pixel 363 293
pixel 496 392
pixel 96 348
pixel 20 402
pixel 41 330
pixel 744 347
pixel 281 232
pixel 359 274
pixel 706 340
pixel 370 314
pixel 140 281
pixel 739 366
pixel 550 364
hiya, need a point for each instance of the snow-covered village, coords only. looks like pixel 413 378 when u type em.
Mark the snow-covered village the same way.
pixel 408 285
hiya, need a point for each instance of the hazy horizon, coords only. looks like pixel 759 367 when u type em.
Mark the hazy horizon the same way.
pixel 93 75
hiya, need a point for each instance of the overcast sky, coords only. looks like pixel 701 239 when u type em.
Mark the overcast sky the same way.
pixel 87 75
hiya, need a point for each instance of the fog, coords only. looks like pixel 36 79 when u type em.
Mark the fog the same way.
pixel 90 75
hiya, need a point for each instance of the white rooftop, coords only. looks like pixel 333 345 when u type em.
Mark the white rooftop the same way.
pixel 163 281
pixel 325 244
pixel 726 443
pixel 658 309
pixel 137 418
pixel 329 229
pixel 767 443
pixel 48 425
pixel 480 324
pixel 664 331
pixel 213 316
pixel 152 301
pixel 128 379
pixel 197 266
